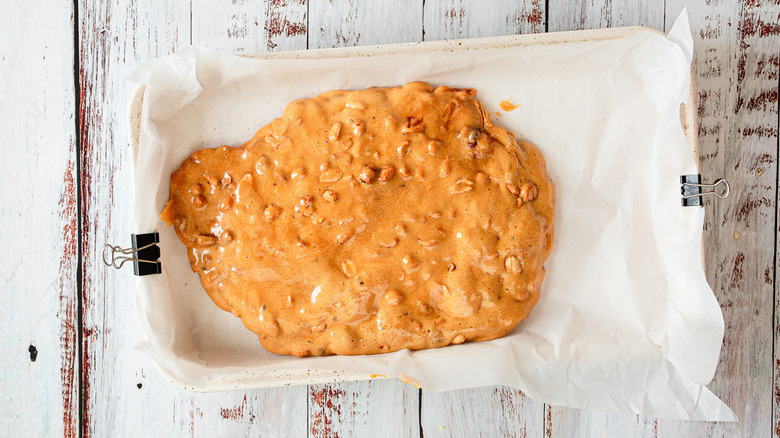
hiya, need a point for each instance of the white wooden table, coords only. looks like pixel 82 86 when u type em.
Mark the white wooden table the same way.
pixel 68 366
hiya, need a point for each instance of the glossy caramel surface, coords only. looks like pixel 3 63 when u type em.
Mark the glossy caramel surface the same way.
pixel 370 221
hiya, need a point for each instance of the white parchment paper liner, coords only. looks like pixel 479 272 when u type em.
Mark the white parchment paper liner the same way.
pixel 626 320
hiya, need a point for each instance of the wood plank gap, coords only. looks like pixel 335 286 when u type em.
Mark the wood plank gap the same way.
pixel 78 121
pixel 422 38
pixel 546 16
pixel 663 26
pixel 190 22
pixel 546 413
pixel 545 407
pixel 775 325
pixel 419 391
pixel 308 387
pixel 308 29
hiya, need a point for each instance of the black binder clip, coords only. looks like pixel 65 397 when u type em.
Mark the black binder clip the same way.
pixel 145 254
pixel 692 189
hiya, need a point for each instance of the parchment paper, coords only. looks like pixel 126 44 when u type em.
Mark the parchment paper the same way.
pixel 626 320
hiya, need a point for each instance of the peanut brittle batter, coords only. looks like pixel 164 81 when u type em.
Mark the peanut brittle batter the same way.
pixel 370 221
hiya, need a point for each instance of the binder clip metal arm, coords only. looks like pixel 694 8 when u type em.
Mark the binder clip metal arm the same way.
pixel 144 254
pixel 692 189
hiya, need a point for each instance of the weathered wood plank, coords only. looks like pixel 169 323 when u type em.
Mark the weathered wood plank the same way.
pixel 250 27
pixel 357 23
pixel 566 422
pixel 38 208
pixel 381 407
pixel 448 19
pixel 124 394
pixel 736 61
pixel 491 410
pixel 722 51
pixel 149 404
pixel 590 14
pixel 599 14
pixel 112 37
pixel 574 423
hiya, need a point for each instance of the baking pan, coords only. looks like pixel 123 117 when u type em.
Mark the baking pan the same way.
pixel 276 378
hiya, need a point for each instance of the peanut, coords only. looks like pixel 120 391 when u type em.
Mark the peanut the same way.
pixel 298 173
pixel 335 132
pixel 225 204
pixel 331 176
pixel 462 185
pixel 429 242
pixel 367 175
pixel 393 297
pixel 446 167
pixel 392 243
pixel 206 240
pixel 343 238
pixel 528 192
pixel 199 201
pixel 433 147
pixel 213 182
pixel 387 172
pixel 349 268
pixel 410 262
pixel 403 149
pixel 512 264
pixel 225 238
pixel 359 128
pixel 330 195
pixel 272 212
pixel 413 125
